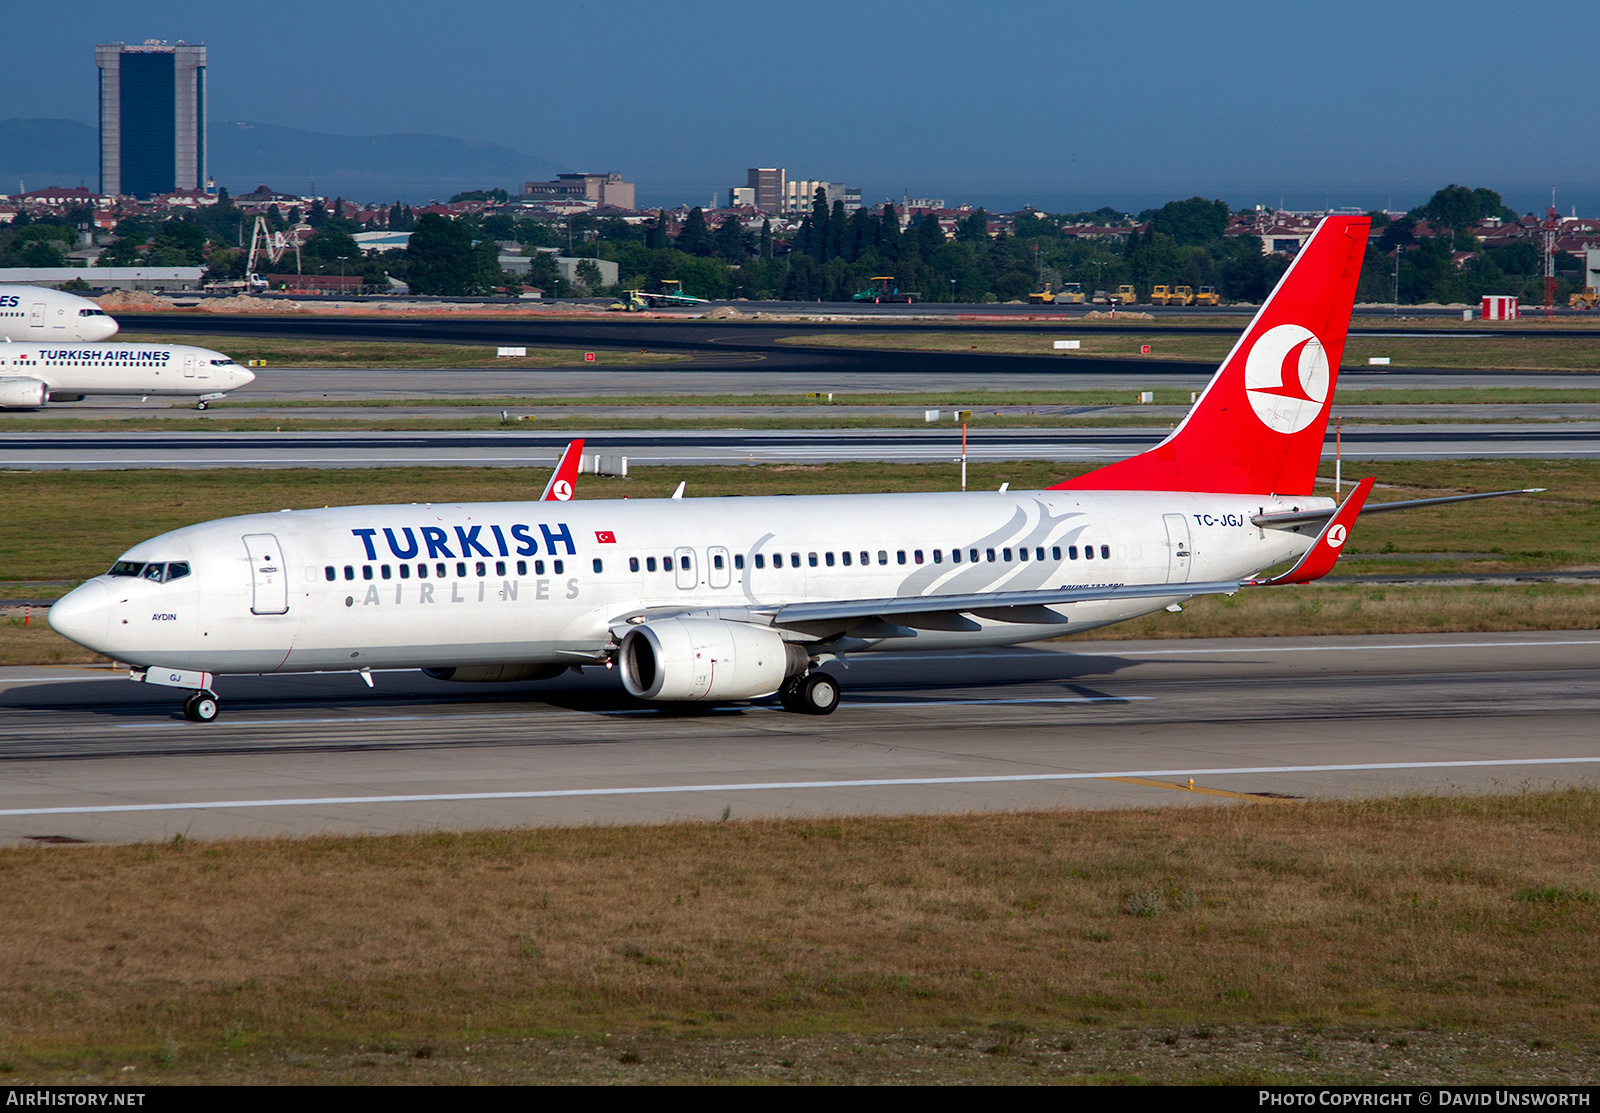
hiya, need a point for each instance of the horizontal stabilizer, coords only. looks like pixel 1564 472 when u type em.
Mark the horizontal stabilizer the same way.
pixel 1290 520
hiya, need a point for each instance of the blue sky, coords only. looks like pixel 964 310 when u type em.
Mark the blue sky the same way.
pixel 1058 104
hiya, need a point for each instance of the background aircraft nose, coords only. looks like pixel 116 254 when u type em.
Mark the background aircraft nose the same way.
pixel 109 327
pixel 83 614
pixel 243 376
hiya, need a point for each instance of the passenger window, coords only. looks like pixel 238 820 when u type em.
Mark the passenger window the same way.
pixel 716 560
pixel 387 572
pixel 1088 552
pixel 461 569
pixel 899 556
pixel 330 573
pixel 649 564
pixel 955 556
pixel 1055 552
pixel 405 571
pixel 440 570
pixel 666 564
pixel 738 561
pixel 538 568
pixel 633 564
pixel 1105 552
pixel 761 561
pixel 972 555
pixel 1072 552
pixel 777 560
pixel 480 568
pixel 598 566
pixel 811 559
pixel 522 566
pixel 938 556
pixel 989 553
pixel 1022 554
pixel 366 571
pixel 1006 553
pixel 557 567
pixel 422 571
pixel 916 556
pixel 1038 554
pixel 827 558
pixel 499 568
pixel 866 558
pixel 845 557
pixel 794 560
pixel 349 572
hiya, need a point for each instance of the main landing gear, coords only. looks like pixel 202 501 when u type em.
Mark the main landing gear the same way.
pixel 815 693
pixel 202 707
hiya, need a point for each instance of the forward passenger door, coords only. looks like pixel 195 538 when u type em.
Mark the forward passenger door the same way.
pixel 268 574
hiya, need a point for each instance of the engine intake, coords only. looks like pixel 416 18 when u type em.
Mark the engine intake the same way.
pixel 706 659
pixel 19 394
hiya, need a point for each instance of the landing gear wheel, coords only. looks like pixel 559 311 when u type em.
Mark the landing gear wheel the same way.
pixel 819 694
pixel 202 707
pixel 200 405
pixel 789 694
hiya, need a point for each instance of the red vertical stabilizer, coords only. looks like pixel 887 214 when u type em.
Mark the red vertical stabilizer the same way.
pixel 564 480
pixel 1258 428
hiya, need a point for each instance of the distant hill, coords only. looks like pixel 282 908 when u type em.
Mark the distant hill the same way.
pixel 243 155
pixel 40 153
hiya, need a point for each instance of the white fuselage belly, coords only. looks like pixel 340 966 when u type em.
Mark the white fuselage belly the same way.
pixel 206 620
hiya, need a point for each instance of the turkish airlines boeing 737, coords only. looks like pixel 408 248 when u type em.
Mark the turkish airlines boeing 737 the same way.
pixel 740 598
pixel 36 314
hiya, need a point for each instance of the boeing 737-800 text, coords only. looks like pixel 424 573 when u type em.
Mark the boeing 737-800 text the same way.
pixel 741 598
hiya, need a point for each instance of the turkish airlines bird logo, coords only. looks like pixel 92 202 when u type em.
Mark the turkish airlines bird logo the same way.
pixel 1337 536
pixel 1286 377
pixel 562 491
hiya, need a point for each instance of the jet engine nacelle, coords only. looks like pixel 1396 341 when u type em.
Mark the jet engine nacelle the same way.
pixel 22 393
pixel 706 659
pixel 496 674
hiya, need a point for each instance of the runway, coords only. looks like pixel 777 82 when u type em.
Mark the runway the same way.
pixel 86 755
pixel 513 447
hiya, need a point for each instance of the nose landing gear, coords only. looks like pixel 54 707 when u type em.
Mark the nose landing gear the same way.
pixel 202 707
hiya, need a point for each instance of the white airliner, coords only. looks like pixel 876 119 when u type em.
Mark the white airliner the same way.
pixel 35 314
pixel 740 598
pixel 33 374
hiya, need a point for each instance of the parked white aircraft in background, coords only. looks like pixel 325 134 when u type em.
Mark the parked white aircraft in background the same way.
pixel 33 374
pixel 739 598
pixel 35 314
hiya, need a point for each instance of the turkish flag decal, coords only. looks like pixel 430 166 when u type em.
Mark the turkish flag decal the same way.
pixel 605 537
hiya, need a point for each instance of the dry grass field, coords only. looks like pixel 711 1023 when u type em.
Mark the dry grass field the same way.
pixel 1272 941
pixel 1540 353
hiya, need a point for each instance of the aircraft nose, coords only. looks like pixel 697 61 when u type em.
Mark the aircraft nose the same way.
pixel 109 328
pixel 83 615
pixel 243 376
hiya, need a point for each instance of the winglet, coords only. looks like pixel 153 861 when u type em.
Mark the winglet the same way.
pixel 564 480
pixel 1319 559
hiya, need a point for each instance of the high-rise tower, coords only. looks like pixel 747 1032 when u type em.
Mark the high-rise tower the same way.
pixel 152 117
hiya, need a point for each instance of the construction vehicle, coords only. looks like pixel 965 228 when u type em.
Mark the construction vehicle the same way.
pixel 1181 295
pixel 1046 296
pixel 1125 296
pixel 1207 296
pixel 670 296
pixel 1100 298
pixel 1586 300
pixel 883 288
pixel 1071 293
pixel 1160 295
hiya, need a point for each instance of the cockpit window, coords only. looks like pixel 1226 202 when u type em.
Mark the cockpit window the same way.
pixel 222 363
pixel 91 312
pixel 156 571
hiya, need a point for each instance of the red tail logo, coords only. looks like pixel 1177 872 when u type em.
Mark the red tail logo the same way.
pixel 1258 428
